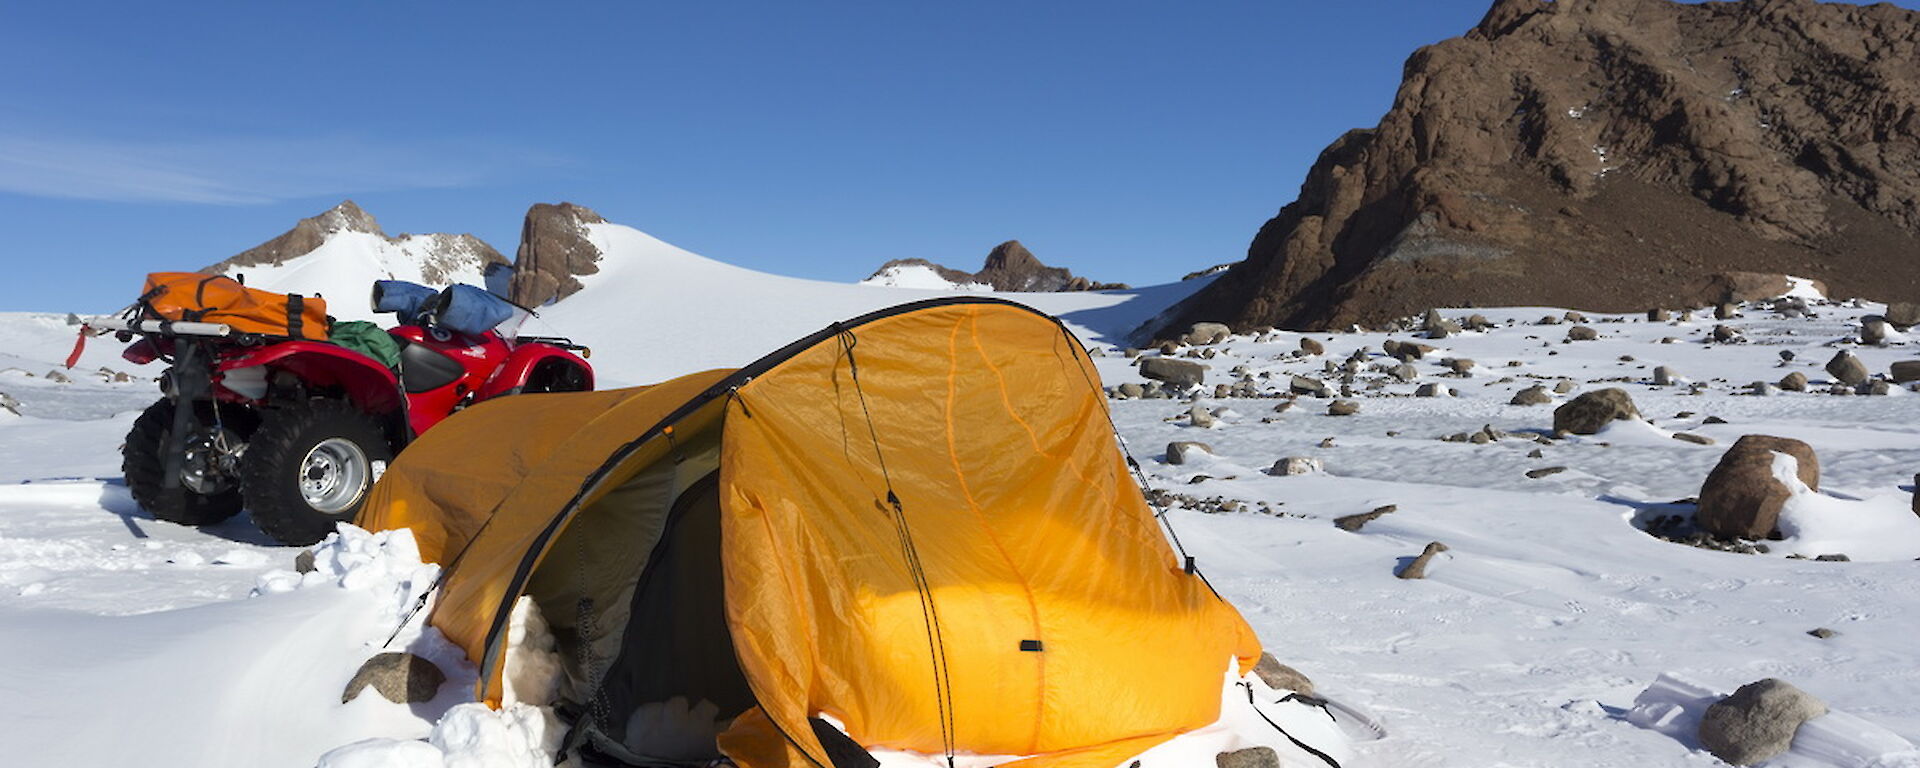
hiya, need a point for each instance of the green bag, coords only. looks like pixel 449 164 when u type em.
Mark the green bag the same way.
pixel 368 339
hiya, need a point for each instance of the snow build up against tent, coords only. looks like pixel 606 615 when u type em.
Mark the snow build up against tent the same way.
pixel 1578 617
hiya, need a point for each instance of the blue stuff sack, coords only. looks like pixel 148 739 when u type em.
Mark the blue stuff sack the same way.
pixel 406 300
pixel 470 309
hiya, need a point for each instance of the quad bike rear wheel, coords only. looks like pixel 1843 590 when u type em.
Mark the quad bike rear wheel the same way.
pixel 208 490
pixel 311 466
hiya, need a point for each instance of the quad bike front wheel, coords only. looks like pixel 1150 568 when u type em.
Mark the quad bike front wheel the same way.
pixel 311 466
pixel 207 490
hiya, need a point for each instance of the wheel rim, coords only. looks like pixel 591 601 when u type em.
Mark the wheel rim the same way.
pixel 333 475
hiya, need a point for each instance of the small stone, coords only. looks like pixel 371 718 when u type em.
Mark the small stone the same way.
pixel 1432 389
pixel 1479 438
pixel 1713 420
pixel 1663 376
pixel 1574 317
pixel 1281 677
pixel 1726 334
pixel 1822 633
pixel 1353 523
pixel 1180 451
pixel 1536 454
pixel 1793 382
pixel 1405 372
pixel 1132 391
pixel 1251 757
pixel 401 678
pixel 1726 312
pixel 1904 371
pixel 1758 721
pixel 1418 568
pixel 1200 417
pixel 1582 333
pixel 1689 437
pixel 1535 474
pixel 1833 558
pixel 303 562
pixel 1327 443
pixel 1343 408
pixel 1659 315
pixel 1459 365
pixel 1563 386
pixel 1311 347
pixel 1302 385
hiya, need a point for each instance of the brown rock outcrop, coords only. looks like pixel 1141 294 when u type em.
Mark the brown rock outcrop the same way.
pixel 554 252
pixel 1611 155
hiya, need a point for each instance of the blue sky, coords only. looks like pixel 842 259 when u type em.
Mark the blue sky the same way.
pixel 1129 141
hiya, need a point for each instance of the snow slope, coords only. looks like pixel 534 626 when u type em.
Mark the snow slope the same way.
pixel 343 268
pixel 131 641
pixel 655 311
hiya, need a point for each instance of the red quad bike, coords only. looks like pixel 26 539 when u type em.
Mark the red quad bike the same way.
pixel 296 429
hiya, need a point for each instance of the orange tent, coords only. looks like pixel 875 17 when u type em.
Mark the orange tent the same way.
pixel 916 522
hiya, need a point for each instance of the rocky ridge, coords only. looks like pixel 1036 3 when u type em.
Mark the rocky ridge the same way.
pixel 442 254
pixel 1009 267
pixel 1610 155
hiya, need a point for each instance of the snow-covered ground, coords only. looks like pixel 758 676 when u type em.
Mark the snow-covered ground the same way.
pixel 129 641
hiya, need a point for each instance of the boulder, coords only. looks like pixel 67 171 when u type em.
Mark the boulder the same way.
pixel 1794 382
pixel 1343 408
pixel 1874 331
pixel 1563 387
pixel 1179 374
pixel 1353 523
pixel 1200 417
pixel 1418 568
pixel 1725 312
pixel 1659 315
pixel 1295 465
pixel 1408 351
pixel 1311 347
pixel 1758 721
pixel 1593 411
pixel 1904 371
pixel 1534 395
pixel 1131 390
pixel 555 250
pixel 1903 314
pixel 1847 368
pixel 1459 365
pixel 1180 451
pixel 1202 334
pixel 1432 389
pixel 1663 376
pixel 1281 677
pixel 1741 498
pixel 1689 437
pixel 1726 334
pixel 1582 333
pixel 1302 385
pixel 401 678
pixel 1404 372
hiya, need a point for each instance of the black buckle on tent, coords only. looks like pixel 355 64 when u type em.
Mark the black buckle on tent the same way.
pixel 1030 646
pixel 1193 566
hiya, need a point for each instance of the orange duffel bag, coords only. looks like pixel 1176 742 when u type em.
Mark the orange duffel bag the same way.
pixel 194 297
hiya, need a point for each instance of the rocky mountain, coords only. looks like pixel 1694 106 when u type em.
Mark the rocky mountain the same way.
pixel 554 252
pixel 1609 155
pixel 435 259
pixel 1009 267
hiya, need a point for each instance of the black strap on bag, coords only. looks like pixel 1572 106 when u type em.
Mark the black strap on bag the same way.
pixel 295 308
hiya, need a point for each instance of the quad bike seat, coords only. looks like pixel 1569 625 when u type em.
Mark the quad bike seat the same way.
pixel 422 369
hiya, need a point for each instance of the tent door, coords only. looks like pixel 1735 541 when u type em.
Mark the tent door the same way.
pixel 675 684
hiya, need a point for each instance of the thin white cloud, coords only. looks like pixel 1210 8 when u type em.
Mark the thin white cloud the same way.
pixel 244 171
